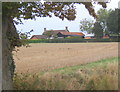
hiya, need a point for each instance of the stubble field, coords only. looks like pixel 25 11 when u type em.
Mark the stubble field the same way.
pixel 47 56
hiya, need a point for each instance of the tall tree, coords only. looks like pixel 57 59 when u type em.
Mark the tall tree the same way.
pixel 86 25
pixel 97 30
pixel 102 18
pixel 113 22
pixel 30 10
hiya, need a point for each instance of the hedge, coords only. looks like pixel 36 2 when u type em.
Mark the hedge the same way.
pixel 71 40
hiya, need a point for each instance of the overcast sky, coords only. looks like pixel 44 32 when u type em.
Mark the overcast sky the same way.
pixel 57 24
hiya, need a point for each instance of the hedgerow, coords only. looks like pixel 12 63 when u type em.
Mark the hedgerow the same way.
pixel 71 40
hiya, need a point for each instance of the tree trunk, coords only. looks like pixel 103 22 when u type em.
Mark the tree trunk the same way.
pixel 0 48
pixel 8 32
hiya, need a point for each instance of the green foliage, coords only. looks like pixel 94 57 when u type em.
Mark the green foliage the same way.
pixel 97 30
pixel 72 40
pixel 71 69
pixel 30 10
pixel 109 21
pixel 99 75
pixel 86 25
pixel 23 38
pixel 102 18
pixel 113 22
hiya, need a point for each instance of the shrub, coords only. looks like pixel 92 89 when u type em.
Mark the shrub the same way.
pixel 72 40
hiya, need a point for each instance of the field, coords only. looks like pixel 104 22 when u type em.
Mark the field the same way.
pixel 67 66
pixel 99 75
pixel 48 56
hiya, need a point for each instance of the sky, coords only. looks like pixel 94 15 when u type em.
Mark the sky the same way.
pixel 55 23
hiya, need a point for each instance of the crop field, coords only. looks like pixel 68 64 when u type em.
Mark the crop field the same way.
pixel 48 56
pixel 98 75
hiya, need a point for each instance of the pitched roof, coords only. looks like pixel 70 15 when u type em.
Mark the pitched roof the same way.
pixel 72 33
pixel 39 36
pixel 55 31
pixel 58 30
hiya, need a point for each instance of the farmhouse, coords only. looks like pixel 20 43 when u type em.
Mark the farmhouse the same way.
pixel 56 31
pixel 51 34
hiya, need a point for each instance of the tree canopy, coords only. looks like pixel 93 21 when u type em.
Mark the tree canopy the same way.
pixel 86 25
pixel 102 18
pixel 97 30
pixel 30 10
pixel 113 23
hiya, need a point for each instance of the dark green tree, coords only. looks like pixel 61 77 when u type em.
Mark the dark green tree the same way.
pixel 97 30
pixel 113 22
pixel 102 18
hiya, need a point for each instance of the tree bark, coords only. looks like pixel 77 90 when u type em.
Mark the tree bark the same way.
pixel 0 47
pixel 8 30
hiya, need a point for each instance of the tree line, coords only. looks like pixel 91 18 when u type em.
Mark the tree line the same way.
pixel 105 24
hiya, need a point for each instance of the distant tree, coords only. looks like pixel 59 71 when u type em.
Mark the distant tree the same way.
pixel 102 18
pixel 97 30
pixel 113 22
pixel 86 25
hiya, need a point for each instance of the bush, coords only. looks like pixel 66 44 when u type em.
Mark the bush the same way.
pixel 72 40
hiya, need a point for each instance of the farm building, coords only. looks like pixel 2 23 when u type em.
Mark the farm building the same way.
pixel 52 33
pixel 89 37
pixel 58 33
pixel 106 36
pixel 70 34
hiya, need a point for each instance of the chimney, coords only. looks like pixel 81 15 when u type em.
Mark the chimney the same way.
pixel 44 29
pixel 66 28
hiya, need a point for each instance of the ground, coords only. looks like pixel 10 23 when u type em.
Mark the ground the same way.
pixel 47 56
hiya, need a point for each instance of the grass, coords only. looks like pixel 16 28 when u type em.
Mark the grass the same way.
pixel 99 75
pixel 100 63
